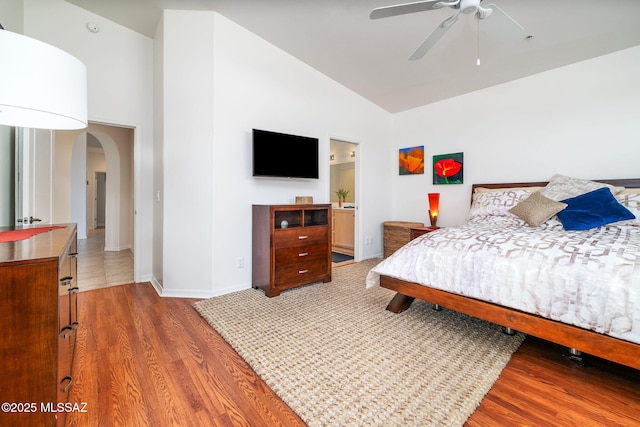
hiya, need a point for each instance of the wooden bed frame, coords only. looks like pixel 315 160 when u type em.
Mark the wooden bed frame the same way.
pixel 573 337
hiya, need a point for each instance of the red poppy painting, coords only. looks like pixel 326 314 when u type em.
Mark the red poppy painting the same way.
pixel 447 168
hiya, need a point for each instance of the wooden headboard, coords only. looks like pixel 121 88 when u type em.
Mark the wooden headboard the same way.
pixel 627 183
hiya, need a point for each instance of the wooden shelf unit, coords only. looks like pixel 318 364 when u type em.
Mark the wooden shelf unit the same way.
pixel 291 246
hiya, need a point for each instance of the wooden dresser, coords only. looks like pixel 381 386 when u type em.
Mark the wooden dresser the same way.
pixel 38 302
pixel 291 246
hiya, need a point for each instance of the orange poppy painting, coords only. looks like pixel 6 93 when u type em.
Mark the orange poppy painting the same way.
pixel 447 168
pixel 411 160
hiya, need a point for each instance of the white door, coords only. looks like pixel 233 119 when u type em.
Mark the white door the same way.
pixel 100 199
pixel 34 176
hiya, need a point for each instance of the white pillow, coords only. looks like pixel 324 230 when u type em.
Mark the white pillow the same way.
pixel 496 203
pixel 562 187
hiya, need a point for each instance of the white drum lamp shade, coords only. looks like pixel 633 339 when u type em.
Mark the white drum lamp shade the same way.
pixel 41 86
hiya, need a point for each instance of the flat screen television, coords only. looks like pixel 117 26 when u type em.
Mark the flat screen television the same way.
pixel 281 155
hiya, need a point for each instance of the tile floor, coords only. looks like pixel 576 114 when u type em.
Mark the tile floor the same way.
pixel 100 269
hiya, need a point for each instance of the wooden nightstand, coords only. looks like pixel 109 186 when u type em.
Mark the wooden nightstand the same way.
pixel 419 231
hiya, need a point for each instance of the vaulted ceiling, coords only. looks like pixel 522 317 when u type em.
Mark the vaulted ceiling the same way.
pixel 370 57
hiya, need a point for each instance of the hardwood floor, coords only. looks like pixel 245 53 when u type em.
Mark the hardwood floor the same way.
pixel 143 360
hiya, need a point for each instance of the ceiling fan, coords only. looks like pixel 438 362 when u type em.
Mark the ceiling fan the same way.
pixel 498 22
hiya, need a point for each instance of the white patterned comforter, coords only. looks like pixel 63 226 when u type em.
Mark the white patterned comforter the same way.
pixel 589 279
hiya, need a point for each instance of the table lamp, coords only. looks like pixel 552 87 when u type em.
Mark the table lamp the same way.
pixel 434 205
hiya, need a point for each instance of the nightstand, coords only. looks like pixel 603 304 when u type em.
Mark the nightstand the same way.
pixel 419 231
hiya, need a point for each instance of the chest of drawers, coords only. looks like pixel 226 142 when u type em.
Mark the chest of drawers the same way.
pixel 38 301
pixel 291 246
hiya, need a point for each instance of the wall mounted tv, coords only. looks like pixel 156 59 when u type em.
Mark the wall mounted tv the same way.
pixel 284 156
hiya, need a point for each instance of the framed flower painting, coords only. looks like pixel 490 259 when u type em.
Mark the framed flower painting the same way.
pixel 447 168
pixel 411 160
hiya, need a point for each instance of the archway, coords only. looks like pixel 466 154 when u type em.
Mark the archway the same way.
pixel 119 194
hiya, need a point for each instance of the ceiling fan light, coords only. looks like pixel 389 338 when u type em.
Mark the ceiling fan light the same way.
pixel 484 12
pixel 469 6
pixel 441 4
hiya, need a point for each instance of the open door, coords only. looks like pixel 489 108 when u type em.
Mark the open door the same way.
pixel 34 189
pixel 343 177
pixel 100 199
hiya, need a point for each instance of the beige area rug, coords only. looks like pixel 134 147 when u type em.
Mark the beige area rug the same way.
pixel 335 355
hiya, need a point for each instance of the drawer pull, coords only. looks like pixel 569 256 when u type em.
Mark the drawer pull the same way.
pixel 66 331
pixel 65 388
pixel 66 280
pixel 74 290
pixel 303 237
pixel 303 271
pixel 303 254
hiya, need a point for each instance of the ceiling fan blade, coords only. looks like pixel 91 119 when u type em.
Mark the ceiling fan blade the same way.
pixel 404 8
pixel 500 24
pixel 433 38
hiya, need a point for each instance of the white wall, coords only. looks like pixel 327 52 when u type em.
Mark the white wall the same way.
pixel 187 139
pixel 120 91
pixel 158 156
pixel 236 81
pixel 580 120
pixel 11 15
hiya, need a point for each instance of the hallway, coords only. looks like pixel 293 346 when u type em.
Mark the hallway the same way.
pixel 99 269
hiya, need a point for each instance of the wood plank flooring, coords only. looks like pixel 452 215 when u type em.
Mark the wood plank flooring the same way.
pixel 143 360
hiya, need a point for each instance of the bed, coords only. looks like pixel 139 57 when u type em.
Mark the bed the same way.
pixel 579 288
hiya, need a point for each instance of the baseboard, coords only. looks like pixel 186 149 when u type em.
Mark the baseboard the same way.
pixel 116 248
pixel 199 293
pixel 156 285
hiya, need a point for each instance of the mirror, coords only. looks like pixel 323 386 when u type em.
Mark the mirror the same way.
pixel 342 170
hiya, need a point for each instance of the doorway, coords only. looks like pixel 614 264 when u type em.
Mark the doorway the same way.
pixel 102 195
pixel 342 164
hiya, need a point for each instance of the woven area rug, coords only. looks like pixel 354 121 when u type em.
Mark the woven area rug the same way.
pixel 335 355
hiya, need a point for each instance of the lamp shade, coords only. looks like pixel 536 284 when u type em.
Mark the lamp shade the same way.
pixel 434 207
pixel 41 86
pixel 434 203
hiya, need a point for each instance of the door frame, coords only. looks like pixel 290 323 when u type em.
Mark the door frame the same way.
pixel 357 244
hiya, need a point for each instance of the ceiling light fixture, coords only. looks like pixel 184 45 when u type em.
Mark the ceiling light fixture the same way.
pixel 41 86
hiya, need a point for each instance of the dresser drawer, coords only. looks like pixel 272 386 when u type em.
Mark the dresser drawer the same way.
pixel 305 272
pixel 297 254
pixel 300 236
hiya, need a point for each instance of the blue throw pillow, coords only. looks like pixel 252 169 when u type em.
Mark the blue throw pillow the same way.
pixel 593 209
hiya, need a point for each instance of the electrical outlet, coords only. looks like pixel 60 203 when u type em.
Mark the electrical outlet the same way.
pixel 240 262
